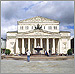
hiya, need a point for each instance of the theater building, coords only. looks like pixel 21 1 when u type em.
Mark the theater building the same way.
pixel 38 32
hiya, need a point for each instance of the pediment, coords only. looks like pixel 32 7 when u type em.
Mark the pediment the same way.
pixel 38 19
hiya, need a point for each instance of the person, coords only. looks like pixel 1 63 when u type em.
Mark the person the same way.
pixel 49 52
pixel 19 53
pixel 28 55
pixel 46 53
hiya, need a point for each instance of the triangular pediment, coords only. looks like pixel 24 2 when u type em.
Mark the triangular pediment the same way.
pixel 38 19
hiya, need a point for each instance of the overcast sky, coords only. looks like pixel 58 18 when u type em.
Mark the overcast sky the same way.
pixel 13 11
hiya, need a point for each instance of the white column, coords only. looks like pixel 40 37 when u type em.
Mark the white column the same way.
pixel 29 44
pixel 53 50
pixel 47 45
pixel 35 43
pixel 23 49
pixel 17 49
pixel 41 42
pixel 58 47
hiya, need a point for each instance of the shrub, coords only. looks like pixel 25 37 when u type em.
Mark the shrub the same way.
pixel 69 52
pixel 1 50
pixel 7 51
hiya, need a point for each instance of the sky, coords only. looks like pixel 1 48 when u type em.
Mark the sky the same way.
pixel 13 11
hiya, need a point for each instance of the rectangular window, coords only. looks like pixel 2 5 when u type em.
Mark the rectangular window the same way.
pixel 26 27
pixel 32 27
pixel 21 27
pixel 44 27
pixel 49 27
pixel 55 27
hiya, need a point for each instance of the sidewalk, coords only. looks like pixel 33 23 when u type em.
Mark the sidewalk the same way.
pixel 39 57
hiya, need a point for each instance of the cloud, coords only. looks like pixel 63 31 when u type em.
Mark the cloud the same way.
pixel 9 28
pixel 13 11
pixel 66 28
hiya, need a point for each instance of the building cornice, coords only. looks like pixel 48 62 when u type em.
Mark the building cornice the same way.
pixel 12 32
pixel 64 32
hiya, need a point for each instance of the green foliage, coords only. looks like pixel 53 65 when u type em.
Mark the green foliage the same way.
pixel 7 51
pixel 1 50
pixel 69 52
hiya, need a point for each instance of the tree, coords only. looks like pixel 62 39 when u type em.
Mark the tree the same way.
pixel 69 52
pixel 7 51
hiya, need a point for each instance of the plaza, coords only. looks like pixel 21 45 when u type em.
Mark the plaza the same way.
pixel 21 66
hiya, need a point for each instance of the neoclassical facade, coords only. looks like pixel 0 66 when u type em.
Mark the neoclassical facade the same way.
pixel 38 32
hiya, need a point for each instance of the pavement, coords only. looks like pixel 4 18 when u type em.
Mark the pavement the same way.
pixel 38 57
pixel 51 66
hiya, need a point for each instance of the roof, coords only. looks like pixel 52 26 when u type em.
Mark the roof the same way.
pixel 12 32
pixel 64 31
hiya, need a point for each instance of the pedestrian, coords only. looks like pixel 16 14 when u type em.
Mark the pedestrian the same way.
pixel 46 53
pixel 28 55
pixel 49 52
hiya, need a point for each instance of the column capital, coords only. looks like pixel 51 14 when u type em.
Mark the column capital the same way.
pixel 47 38
pixel 53 38
pixel 22 38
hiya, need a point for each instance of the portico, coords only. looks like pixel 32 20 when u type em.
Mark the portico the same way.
pixel 45 43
